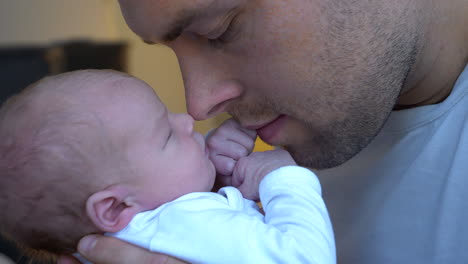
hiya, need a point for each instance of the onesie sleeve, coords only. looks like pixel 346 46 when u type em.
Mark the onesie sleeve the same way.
pixel 296 219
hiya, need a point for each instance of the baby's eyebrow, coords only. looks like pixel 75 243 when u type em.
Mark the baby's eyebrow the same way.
pixel 167 139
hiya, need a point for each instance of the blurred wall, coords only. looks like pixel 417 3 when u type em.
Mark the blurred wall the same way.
pixel 45 21
pixel 49 21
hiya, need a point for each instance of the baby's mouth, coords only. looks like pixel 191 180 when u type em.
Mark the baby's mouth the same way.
pixel 207 151
pixel 201 140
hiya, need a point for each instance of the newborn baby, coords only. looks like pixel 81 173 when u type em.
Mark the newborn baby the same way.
pixel 97 152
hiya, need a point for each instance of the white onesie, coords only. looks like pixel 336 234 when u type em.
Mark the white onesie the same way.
pixel 224 227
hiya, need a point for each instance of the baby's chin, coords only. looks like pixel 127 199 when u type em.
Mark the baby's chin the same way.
pixel 207 184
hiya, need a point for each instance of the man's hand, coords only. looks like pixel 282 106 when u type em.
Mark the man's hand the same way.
pixel 249 171
pixel 109 250
pixel 227 144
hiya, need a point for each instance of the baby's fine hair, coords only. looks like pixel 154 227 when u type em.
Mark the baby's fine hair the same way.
pixel 48 148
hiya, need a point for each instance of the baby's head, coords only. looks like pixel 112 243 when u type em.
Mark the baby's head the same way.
pixel 83 152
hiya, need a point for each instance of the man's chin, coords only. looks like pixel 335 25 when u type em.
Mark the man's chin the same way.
pixel 317 159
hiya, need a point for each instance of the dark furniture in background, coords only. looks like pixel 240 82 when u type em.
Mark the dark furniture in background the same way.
pixel 23 65
pixel 19 67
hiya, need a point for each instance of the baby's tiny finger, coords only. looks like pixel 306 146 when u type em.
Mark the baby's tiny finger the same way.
pixel 223 165
pixel 251 133
pixel 229 148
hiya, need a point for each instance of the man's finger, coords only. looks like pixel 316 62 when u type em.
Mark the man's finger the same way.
pixel 109 250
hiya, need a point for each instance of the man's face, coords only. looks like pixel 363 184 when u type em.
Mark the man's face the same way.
pixel 318 77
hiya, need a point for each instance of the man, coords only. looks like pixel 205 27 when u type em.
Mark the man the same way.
pixel 362 91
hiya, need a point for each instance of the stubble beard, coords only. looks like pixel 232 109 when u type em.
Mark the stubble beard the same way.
pixel 332 146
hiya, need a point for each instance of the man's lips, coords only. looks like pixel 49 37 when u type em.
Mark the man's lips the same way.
pixel 268 131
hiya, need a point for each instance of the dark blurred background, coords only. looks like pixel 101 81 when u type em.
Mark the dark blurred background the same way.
pixel 22 65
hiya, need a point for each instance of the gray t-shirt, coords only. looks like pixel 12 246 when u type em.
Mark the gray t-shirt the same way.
pixel 404 199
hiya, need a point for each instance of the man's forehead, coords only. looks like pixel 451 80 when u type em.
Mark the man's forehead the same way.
pixel 162 19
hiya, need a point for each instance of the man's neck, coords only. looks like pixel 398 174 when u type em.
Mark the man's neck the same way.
pixel 442 56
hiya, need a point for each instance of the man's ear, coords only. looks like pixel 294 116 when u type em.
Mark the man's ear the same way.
pixel 110 210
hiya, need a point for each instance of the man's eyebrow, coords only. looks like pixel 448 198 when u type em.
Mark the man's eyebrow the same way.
pixel 183 20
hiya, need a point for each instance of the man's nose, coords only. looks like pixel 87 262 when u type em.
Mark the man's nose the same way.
pixel 206 99
pixel 210 86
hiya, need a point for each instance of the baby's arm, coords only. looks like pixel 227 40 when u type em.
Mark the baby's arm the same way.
pixel 296 218
pixel 297 227
pixel 296 223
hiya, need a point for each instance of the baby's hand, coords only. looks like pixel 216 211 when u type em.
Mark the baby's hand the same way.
pixel 249 171
pixel 228 143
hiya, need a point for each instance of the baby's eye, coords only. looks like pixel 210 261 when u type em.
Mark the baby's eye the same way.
pixel 168 138
pixel 232 31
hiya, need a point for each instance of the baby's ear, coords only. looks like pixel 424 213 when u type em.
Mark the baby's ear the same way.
pixel 110 209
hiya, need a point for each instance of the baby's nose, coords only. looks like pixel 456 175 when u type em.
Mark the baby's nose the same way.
pixel 187 122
